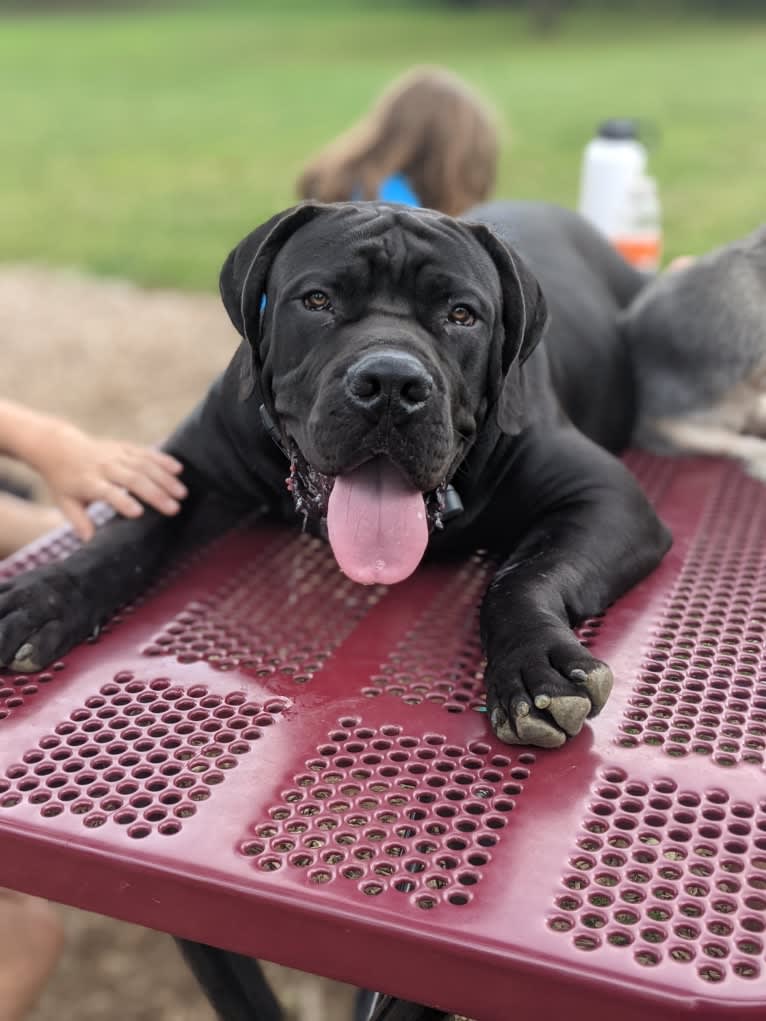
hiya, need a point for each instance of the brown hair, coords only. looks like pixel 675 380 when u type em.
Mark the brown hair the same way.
pixel 428 125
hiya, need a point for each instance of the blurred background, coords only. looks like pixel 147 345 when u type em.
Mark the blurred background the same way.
pixel 142 142
pixel 139 142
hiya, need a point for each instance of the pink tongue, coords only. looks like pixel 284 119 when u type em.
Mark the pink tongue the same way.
pixel 376 524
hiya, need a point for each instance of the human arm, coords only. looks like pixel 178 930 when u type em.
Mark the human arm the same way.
pixel 79 468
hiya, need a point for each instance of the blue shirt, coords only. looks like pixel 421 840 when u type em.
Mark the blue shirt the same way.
pixel 396 188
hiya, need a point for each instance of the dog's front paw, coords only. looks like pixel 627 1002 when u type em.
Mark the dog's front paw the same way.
pixel 541 692
pixel 42 615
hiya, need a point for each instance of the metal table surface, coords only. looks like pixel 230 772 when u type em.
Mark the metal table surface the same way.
pixel 263 756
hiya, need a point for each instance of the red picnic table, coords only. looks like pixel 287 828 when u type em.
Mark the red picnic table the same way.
pixel 262 756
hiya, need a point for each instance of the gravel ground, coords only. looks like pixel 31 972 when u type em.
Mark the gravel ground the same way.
pixel 110 356
pixel 129 363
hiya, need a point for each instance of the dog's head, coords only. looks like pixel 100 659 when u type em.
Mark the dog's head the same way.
pixel 381 340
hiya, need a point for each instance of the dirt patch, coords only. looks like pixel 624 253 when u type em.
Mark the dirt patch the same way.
pixel 111 970
pixel 129 363
pixel 114 358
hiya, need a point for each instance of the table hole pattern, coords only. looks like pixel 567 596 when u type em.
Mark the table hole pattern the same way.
pixel 439 660
pixel 143 755
pixel 654 474
pixel 312 608
pixel 57 547
pixel 17 690
pixel 668 875
pixel 701 689
pixel 385 810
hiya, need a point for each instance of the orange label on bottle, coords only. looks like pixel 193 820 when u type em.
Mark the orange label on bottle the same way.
pixel 643 253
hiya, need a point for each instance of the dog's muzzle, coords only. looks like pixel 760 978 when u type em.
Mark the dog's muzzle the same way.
pixel 377 524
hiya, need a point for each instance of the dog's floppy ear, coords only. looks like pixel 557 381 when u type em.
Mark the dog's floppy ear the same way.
pixel 243 281
pixel 523 322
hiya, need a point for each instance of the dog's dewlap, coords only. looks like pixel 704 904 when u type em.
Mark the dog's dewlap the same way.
pixel 377 524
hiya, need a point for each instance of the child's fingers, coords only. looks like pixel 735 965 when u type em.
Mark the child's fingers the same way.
pixel 144 455
pixel 129 484
pixel 167 461
pixel 75 513
pixel 129 472
pixel 169 482
pixel 118 497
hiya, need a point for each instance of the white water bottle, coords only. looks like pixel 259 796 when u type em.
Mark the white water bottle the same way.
pixel 617 196
pixel 639 233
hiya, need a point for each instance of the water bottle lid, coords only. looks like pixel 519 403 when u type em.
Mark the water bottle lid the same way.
pixel 620 128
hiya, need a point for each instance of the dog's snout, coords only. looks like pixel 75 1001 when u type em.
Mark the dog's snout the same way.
pixel 389 379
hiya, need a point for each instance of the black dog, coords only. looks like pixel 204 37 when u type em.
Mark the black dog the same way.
pixel 396 358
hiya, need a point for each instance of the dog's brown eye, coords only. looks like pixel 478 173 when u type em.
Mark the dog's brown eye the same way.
pixel 462 316
pixel 316 301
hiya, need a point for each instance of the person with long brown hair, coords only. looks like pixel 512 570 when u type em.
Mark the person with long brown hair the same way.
pixel 429 140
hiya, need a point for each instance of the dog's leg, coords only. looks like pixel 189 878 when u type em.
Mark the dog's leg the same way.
pixel 47 610
pixel 581 533
pixel 234 984
pixel 699 437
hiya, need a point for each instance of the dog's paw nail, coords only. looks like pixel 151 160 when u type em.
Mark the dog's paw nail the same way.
pixel 23 662
pixel 599 687
pixel 521 709
pixel 502 728
pixel 570 712
pixel 498 718
pixel 507 735
pixel 542 701
pixel 578 675
pixel 535 730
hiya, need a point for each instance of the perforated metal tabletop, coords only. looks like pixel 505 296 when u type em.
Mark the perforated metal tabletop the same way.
pixel 264 756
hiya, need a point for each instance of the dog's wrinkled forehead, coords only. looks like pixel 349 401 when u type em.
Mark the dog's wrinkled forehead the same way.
pixel 370 246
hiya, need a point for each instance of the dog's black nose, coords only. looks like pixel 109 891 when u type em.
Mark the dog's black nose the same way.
pixel 389 379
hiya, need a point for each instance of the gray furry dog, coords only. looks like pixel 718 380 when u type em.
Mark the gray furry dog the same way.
pixel 697 338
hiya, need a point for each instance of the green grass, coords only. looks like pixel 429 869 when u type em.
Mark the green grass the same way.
pixel 145 144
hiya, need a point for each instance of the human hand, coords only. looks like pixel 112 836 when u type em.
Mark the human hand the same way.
pixel 31 942
pixel 78 469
